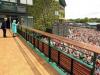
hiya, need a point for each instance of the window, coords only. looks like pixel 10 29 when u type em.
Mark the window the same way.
pixel 30 21
pixel 5 0
pixel 56 0
pixel 13 1
pixel 10 0
pixel 30 2
pixel 23 1
pixel 56 13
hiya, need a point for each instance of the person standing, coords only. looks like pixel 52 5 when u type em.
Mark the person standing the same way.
pixel 14 27
pixel 4 27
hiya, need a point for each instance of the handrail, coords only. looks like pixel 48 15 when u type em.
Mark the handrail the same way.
pixel 80 58
pixel 86 46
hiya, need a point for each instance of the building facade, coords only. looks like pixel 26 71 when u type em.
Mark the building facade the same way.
pixel 15 9
pixel 59 27
pixel 61 8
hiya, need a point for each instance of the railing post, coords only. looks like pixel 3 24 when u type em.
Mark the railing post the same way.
pixel 94 63
pixel 38 42
pixel 26 34
pixel 49 52
pixel 33 41
pixel 58 57
pixel 31 38
pixel 72 66
pixel 21 31
pixel 42 47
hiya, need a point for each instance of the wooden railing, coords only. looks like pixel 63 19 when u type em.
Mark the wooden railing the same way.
pixel 74 57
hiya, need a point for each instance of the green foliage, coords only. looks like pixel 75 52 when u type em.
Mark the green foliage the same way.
pixel 85 20
pixel 43 12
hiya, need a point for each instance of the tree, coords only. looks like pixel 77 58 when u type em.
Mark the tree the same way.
pixel 85 20
pixel 43 12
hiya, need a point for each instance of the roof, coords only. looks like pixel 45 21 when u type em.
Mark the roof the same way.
pixel 93 23
pixel 62 2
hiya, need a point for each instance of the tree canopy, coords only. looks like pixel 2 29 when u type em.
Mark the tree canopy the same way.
pixel 85 20
pixel 43 12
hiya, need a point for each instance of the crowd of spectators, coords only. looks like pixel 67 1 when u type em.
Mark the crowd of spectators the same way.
pixel 89 36
pixel 83 35
pixel 79 53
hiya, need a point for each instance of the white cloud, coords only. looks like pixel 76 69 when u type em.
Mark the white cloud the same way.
pixel 82 8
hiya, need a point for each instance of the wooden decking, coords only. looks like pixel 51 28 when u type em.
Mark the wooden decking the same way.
pixel 18 59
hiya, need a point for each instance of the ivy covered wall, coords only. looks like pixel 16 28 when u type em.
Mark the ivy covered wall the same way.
pixel 44 13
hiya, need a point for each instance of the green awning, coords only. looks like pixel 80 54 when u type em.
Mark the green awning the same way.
pixel 62 2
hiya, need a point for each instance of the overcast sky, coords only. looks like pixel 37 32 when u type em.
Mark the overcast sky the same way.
pixel 82 8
